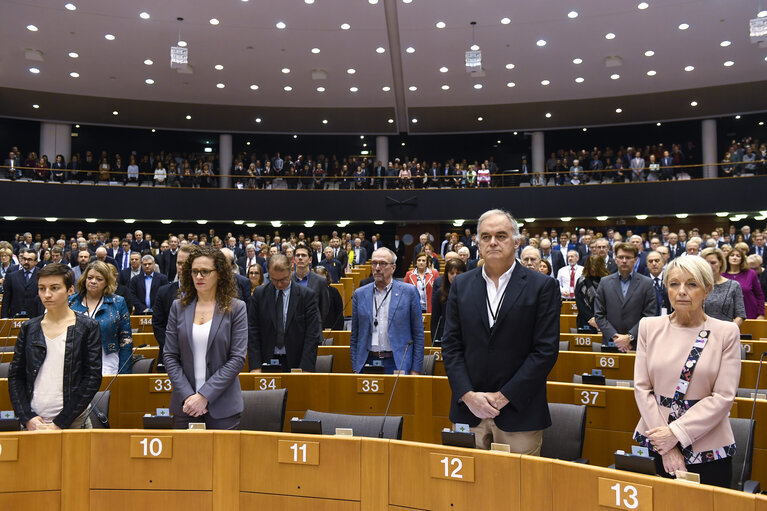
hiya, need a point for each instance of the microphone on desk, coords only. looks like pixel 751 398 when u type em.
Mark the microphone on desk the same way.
pixel 749 441
pixel 103 419
pixel 391 396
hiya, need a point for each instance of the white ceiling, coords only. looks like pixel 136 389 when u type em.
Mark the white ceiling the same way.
pixel 253 51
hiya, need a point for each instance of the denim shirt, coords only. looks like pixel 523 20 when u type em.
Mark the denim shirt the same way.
pixel 114 319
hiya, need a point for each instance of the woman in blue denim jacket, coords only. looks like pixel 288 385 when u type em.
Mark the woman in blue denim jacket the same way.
pixel 96 299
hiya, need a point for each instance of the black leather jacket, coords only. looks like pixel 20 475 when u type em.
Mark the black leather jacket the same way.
pixel 82 368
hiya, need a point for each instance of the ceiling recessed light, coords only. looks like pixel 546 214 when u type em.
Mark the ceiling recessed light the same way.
pixel 585 129
pixel 440 24
pixel 541 42
pixel 579 79
pixel 253 87
pixel 73 55
pixel 220 85
pixel 414 120
pixel 188 117
pixel 445 87
pixel 295 136
pixel 618 110
pixel 762 14
pixel 480 118
pixel 286 70
pixel 505 21
pixel 315 50
pixel 148 62
pixel 474 47
pixel 689 68
pixel 572 15
pixel 308 2
pixel 737 116
pixel 320 89
pixel 351 71
pixel 649 53
pixel 651 72
pixel 258 119
pixel 443 69
pixel 729 63
pixel 354 89
pixel 324 121
pixel 642 6
pixel 34 70
pixel 153 130
pixel 380 49
pixel 74 74
pixel 109 37
pixel 219 67
pixel 115 112
pixel 345 26
pixel 287 88
pixel 214 21
pixel 684 26
pixel 577 60
pixel 35 106
pixel 609 35
pixel 545 82
pixel 725 44
pixel 657 124
pixel 548 115
pixel 32 28
pixel 412 88
pixel 70 7
pixel 477 86
pixel 761 123
pixel 693 103
pixel 511 84
pixel 280 25
pixel 144 15
pixel 386 88
pixel 390 121
pixel 182 43
pixel 410 49
pixel 614 76
pixel 149 81
pixel 510 66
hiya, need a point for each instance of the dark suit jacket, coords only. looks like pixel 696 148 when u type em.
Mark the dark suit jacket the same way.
pixel 138 290
pixel 168 264
pixel 119 259
pixel 557 261
pixel 242 262
pixel 675 252
pixel 320 287
pixel 618 315
pixel 335 318
pixel 114 253
pixel 515 356
pixel 20 295
pixel 227 347
pixel 303 327
pixel 139 246
pixel 161 310
pixel 437 325
pixel 243 287
pixel 124 277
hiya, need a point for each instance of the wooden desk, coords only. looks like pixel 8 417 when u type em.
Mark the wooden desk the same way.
pixel 756 327
pixel 568 307
pixel 143 323
pixel 10 327
pixel 566 322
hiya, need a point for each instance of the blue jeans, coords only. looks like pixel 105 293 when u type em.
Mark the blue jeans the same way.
pixel 388 363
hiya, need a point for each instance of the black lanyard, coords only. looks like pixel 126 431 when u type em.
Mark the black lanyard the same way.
pixel 377 306
pixel 494 314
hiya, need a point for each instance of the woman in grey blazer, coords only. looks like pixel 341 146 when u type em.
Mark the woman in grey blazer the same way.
pixel 206 341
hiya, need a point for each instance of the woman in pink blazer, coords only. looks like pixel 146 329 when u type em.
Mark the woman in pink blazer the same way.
pixel 422 277
pixel 686 377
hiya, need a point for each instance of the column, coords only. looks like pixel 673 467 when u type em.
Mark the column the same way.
pixel 382 155
pixel 225 160
pixel 708 146
pixel 539 156
pixel 55 138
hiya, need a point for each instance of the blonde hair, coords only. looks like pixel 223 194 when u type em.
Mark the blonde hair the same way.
pixel 697 267
pixel 102 269
pixel 719 255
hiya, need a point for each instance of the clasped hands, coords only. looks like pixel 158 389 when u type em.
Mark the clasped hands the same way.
pixel 485 405
pixel 623 342
pixel 195 405
pixel 665 442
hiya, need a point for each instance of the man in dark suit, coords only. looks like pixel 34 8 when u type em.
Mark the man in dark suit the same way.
pixel 123 256
pixel 283 321
pixel 242 282
pixel 250 258
pixel 640 266
pixel 399 250
pixel 11 164
pixel 623 298
pixel 655 272
pixel 423 239
pixel 584 248
pixel 114 249
pixel 334 267
pixel 133 269
pixel 365 243
pixel 168 259
pixel 101 255
pixel 317 254
pixel 303 276
pixel 338 252
pixel 139 244
pixel 675 249
pixel 165 296
pixel 500 341
pixel 145 285
pixel 360 254
pixel 375 243
pixel 20 288
pixel 602 248
pixel 73 168
pixel 759 249
pixel 554 257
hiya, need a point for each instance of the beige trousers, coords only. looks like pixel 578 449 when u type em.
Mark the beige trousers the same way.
pixel 520 442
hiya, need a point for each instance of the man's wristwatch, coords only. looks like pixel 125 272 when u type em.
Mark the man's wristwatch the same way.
pixel 631 338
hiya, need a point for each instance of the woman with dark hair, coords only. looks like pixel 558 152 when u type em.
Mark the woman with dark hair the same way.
pixel 545 267
pixel 453 267
pixel 586 291
pixel 206 340
pixel 737 270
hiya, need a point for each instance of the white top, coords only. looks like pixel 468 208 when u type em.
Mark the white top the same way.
pixel 494 296
pixel 48 396
pixel 200 335
pixel 563 276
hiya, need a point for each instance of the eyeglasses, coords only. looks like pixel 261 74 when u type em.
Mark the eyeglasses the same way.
pixel 381 264
pixel 204 272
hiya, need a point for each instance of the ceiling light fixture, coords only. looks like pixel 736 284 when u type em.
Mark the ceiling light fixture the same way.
pixel 572 15
pixel 510 66
pixel 188 117
pixel 34 70
pixel 253 87
pixel 614 76
pixel 410 49
pixel 324 121
pixel 32 28
pixel 642 6
pixel 729 63
pixel 440 24
pixel 414 120
pixel 286 70
pixel 505 21
pixel 657 124
pixel 545 82
pixel 149 81
pixel 258 120
pixel 541 42
pixel 214 21
pixel 480 118
pixel 577 60
pixel 737 116
pixel 73 55
pixel 693 103
pixel 109 37
pixel 762 14
pixel 287 88
pixel 477 86
pixel 386 88
pixel 219 67
pixel 618 110
pixel 511 84
pixel 70 7
pixel 115 112
pixel 220 85
pixel 579 79
pixel 345 26
pixel 689 68
pixel 443 69
pixel 354 89
pixel 315 50
pixel 649 53
pixel 445 87
pixel 412 88
pixel 390 121
pixel 35 106
pixel 684 26
pixel 280 25
pixel 725 44
pixel 148 62
pixel 351 71
pixel 320 89
pixel 144 15
pixel 548 115
pixel 609 35
pixel 651 72
pixel 380 49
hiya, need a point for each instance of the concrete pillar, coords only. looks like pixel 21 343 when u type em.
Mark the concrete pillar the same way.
pixel 708 146
pixel 55 138
pixel 382 155
pixel 225 160
pixel 539 156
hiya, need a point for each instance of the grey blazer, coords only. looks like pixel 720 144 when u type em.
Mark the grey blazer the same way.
pixel 616 314
pixel 227 347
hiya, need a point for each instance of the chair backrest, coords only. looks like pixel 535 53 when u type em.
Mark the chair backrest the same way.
pixel 264 410
pixel 428 364
pixel 564 439
pixel 362 425
pixel 328 341
pixel 564 345
pixel 595 346
pixel 742 352
pixel 324 364
pixel 101 403
pixel 743 392
pixel 143 366
pixel 741 428
pixel 4 368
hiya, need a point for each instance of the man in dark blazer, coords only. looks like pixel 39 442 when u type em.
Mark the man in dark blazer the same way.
pixel 554 257
pixel 655 272
pixel 602 248
pixel 333 266
pixel 101 255
pixel 584 248
pixel 303 276
pixel 134 268
pixel 20 288
pixel 123 256
pixel 338 251
pixel 623 298
pixel 500 341
pixel 138 286
pixel 242 282
pixel 165 296
pixel 675 249
pixel 375 243
pixel 139 244
pixel 290 334
pixel 251 257
pixel 360 253
pixel 168 259
pixel 398 246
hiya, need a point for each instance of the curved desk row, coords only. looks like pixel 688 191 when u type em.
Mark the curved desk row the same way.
pixel 230 471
